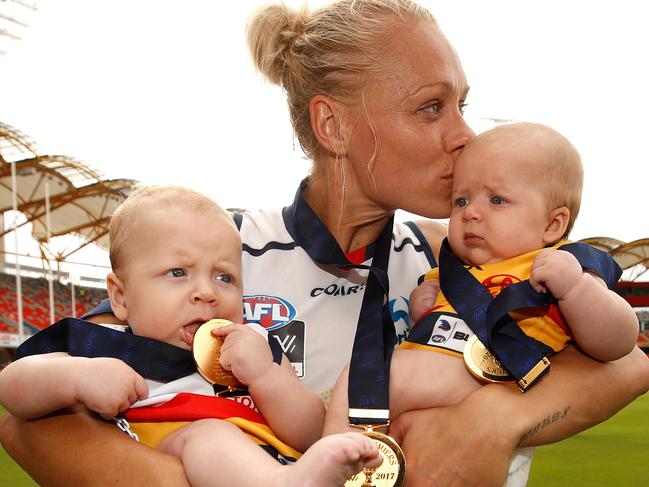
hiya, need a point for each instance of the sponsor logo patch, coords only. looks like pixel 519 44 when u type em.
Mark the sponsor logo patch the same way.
pixel 291 339
pixel 336 290
pixel 496 283
pixel 443 329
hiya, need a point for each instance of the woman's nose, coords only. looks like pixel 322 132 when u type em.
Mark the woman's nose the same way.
pixel 459 135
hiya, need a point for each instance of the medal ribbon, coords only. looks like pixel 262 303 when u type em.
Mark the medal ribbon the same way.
pixel 150 358
pixel 488 317
pixel 375 339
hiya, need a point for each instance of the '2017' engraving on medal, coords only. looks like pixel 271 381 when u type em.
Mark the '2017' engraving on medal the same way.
pixel 390 473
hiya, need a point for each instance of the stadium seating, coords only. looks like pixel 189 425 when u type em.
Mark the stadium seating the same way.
pixel 36 304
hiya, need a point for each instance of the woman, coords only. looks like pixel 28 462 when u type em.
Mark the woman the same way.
pixel 376 95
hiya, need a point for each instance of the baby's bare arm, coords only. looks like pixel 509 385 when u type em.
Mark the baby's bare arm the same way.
pixel 422 379
pixel 41 384
pixel 422 299
pixel 602 323
pixel 293 412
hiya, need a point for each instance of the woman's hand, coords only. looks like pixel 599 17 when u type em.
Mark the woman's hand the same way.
pixel 471 442
pixel 461 445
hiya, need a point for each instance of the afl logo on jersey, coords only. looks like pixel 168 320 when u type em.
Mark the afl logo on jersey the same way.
pixel 442 330
pixel 271 312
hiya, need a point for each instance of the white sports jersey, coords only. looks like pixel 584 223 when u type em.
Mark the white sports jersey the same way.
pixel 312 310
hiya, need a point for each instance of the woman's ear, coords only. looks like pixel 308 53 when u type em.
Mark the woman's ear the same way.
pixel 116 295
pixel 557 224
pixel 326 123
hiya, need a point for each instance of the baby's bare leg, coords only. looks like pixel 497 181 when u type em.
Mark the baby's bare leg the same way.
pixel 329 462
pixel 216 452
pixel 419 379
pixel 422 379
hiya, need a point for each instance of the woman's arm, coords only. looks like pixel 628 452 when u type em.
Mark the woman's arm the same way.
pixel 471 443
pixel 74 448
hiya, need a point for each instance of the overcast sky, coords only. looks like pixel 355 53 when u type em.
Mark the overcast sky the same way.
pixel 164 91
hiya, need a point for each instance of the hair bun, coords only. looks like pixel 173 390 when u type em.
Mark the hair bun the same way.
pixel 272 32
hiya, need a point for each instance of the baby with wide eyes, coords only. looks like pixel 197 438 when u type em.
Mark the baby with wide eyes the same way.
pixel 515 196
pixel 176 264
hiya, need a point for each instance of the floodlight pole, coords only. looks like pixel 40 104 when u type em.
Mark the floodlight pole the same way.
pixel 19 292
pixel 74 301
pixel 48 223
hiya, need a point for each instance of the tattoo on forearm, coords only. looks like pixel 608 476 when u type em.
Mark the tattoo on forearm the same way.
pixel 547 421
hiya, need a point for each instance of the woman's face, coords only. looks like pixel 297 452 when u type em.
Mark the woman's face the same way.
pixel 415 107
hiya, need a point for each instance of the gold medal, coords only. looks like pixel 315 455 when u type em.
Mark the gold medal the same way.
pixel 207 353
pixel 392 472
pixel 482 364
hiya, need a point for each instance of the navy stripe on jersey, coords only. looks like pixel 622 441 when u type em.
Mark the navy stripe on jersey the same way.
pixel 269 246
pixel 238 219
pixel 425 247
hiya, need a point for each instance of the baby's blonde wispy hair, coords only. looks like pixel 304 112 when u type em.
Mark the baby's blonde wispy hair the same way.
pixel 124 222
pixel 560 163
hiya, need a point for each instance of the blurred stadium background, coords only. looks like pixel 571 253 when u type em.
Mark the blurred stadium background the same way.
pixel 54 220
pixel 54 214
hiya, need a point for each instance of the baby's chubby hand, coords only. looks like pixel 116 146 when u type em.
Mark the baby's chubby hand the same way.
pixel 244 352
pixel 422 299
pixel 108 386
pixel 555 271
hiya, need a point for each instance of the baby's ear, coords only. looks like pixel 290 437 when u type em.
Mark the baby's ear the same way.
pixel 116 295
pixel 557 224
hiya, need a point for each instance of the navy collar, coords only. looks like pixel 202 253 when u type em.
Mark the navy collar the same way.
pixel 310 233
pixel 375 338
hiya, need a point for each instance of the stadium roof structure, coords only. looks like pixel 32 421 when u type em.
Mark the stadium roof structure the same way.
pixel 80 200
pixel 632 257
pixel 13 20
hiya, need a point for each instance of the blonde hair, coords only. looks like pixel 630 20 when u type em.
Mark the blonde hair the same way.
pixel 327 52
pixel 126 217
pixel 563 173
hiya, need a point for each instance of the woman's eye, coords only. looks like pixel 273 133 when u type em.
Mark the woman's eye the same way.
pixel 226 278
pixel 462 106
pixel 176 272
pixel 430 108
pixel 461 202
pixel 497 200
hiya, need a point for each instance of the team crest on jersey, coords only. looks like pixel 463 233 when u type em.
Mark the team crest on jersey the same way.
pixel 443 329
pixel 277 316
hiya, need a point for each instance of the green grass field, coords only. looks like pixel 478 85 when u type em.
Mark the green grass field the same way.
pixel 614 453
pixel 11 475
